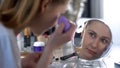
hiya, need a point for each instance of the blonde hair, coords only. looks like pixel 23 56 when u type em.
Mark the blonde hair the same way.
pixel 16 13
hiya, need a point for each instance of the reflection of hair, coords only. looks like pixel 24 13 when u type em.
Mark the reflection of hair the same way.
pixel 89 22
pixel 15 13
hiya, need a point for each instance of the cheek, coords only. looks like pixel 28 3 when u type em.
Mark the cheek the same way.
pixel 102 48
pixel 86 41
pixel 51 21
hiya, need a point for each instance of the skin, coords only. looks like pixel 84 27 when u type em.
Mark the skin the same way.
pixel 32 58
pixel 49 12
pixel 45 19
pixel 95 40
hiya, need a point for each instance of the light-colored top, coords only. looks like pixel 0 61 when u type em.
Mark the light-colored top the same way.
pixel 9 52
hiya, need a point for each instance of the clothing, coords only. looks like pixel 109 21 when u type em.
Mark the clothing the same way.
pixel 9 52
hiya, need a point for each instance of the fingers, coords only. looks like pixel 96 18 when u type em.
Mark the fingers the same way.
pixel 60 28
pixel 59 37
pixel 73 27
pixel 31 60
pixel 33 56
pixel 71 32
pixel 37 56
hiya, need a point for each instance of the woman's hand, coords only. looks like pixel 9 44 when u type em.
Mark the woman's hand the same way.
pixel 30 60
pixel 58 38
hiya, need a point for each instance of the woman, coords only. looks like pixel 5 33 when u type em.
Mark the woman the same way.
pixel 96 40
pixel 39 16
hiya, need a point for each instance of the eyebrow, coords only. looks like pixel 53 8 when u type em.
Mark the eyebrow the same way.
pixel 106 37
pixel 91 31
pixel 97 34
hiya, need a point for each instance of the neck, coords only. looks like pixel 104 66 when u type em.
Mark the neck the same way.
pixel 18 30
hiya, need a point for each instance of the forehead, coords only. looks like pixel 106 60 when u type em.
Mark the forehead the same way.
pixel 100 29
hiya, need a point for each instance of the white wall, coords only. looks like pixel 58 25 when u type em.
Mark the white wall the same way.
pixel 97 8
pixel 111 12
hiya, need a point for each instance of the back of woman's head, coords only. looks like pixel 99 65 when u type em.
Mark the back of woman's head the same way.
pixel 16 13
pixel 13 13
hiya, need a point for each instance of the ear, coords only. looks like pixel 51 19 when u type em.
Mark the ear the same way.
pixel 43 5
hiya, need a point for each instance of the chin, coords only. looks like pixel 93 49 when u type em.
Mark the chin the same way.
pixel 89 57
pixel 92 58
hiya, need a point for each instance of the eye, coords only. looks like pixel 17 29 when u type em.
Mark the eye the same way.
pixel 105 41
pixel 92 34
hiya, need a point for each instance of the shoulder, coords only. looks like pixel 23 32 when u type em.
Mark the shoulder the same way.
pixel 6 34
pixel 3 30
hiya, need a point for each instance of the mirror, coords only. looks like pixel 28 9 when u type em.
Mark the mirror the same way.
pixel 96 38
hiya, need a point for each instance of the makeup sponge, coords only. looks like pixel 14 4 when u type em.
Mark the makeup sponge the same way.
pixel 64 20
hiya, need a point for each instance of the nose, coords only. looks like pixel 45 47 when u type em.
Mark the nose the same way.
pixel 95 43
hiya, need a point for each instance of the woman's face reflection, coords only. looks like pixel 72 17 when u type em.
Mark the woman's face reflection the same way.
pixel 95 39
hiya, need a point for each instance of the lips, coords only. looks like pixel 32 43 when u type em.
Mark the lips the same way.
pixel 91 52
